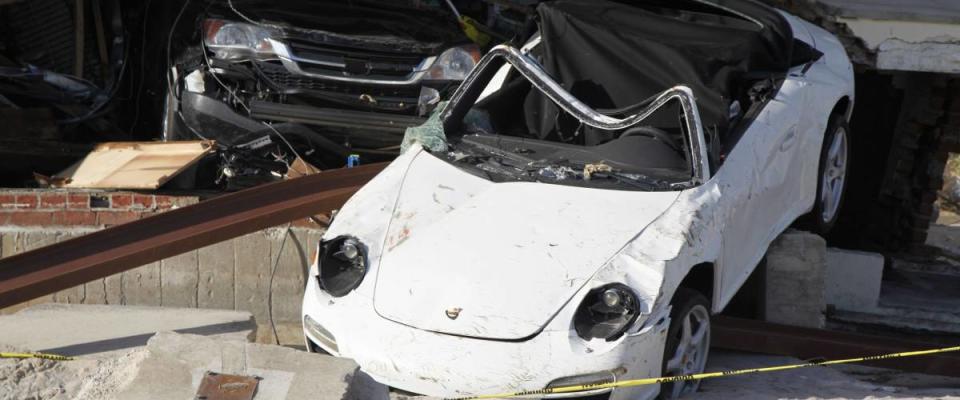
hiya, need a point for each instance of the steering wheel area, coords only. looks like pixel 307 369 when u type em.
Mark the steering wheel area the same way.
pixel 655 133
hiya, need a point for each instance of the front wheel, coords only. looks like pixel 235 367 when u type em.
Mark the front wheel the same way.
pixel 832 177
pixel 688 342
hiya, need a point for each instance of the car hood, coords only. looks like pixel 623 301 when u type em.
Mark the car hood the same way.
pixel 470 257
pixel 383 25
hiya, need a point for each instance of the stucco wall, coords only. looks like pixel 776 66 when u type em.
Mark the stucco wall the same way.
pixel 234 274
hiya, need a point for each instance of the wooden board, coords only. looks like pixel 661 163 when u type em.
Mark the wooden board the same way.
pixel 133 165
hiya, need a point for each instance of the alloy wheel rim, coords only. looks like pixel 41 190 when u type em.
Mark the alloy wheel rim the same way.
pixel 690 356
pixel 834 176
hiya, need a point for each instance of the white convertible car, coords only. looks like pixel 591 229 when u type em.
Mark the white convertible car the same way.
pixel 584 203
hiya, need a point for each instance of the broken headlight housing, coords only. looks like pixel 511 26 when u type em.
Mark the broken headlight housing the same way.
pixel 237 41
pixel 454 64
pixel 606 313
pixel 342 265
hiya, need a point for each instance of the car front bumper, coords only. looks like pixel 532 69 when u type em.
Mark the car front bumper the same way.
pixel 444 365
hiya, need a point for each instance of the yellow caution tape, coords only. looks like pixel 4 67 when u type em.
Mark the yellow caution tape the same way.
pixel 693 377
pixel 36 355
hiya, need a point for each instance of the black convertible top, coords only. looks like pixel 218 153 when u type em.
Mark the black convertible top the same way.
pixel 615 54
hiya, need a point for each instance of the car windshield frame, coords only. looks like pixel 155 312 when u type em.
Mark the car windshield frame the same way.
pixel 470 91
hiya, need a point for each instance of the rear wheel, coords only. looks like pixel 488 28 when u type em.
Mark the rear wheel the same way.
pixel 688 342
pixel 832 177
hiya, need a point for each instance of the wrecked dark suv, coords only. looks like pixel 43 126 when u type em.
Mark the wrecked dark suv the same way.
pixel 317 79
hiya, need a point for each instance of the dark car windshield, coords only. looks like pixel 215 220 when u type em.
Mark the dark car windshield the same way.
pixel 429 21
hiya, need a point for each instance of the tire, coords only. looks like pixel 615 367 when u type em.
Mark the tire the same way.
pixel 689 318
pixel 832 174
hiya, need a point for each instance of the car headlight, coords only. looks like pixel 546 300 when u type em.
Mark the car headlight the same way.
pixel 454 64
pixel 343 263
pixel 236 41
pixel 606 313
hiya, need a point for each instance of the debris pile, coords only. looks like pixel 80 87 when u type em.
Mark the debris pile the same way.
pixel 81 379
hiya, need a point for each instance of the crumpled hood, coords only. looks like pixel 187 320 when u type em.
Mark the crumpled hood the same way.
pixel 383 25
pixel 466 256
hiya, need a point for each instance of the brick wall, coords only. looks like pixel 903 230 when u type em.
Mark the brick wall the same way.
pixel 82 208
pixel 91 208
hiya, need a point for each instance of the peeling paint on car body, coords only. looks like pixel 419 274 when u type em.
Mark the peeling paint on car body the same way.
pixel 441 239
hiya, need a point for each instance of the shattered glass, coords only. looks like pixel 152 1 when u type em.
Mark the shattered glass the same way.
pixel 430 135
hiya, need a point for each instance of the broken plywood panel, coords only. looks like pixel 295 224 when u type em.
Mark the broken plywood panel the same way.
pixel 133 165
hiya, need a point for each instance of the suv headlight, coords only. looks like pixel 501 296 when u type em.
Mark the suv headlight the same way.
pixel 236 41
pixel 606 312
pixel 455 63
pixel 343 263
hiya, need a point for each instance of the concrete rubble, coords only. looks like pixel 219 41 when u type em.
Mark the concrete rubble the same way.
pixel 82 379
pixel 175 364
pixel 171 365
pixel 133 353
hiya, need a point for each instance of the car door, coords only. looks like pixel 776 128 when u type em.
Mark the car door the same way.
pixel 761 175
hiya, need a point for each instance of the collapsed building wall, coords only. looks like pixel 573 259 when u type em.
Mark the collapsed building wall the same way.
pixel 907 115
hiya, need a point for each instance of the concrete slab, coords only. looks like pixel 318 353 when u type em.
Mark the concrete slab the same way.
pixel 74 329
pixel 922 291
pixel 853 279
pixel 176 364
pixel 907 320
pixel 811 383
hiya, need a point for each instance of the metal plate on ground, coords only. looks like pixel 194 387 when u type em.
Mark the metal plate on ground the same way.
pixel 227 387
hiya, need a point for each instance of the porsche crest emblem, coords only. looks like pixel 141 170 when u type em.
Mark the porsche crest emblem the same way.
pixel 453 312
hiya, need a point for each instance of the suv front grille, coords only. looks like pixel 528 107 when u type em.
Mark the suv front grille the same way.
pixel 389 98
pixel 285 81
pixel 356 63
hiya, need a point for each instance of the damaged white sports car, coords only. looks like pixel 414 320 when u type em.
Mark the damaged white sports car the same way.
pixel 583 204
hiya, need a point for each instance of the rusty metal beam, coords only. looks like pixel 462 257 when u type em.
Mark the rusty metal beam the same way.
pixel 49 269
pixel 818 344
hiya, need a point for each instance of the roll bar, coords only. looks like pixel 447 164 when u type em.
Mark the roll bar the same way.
pixel 468 92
